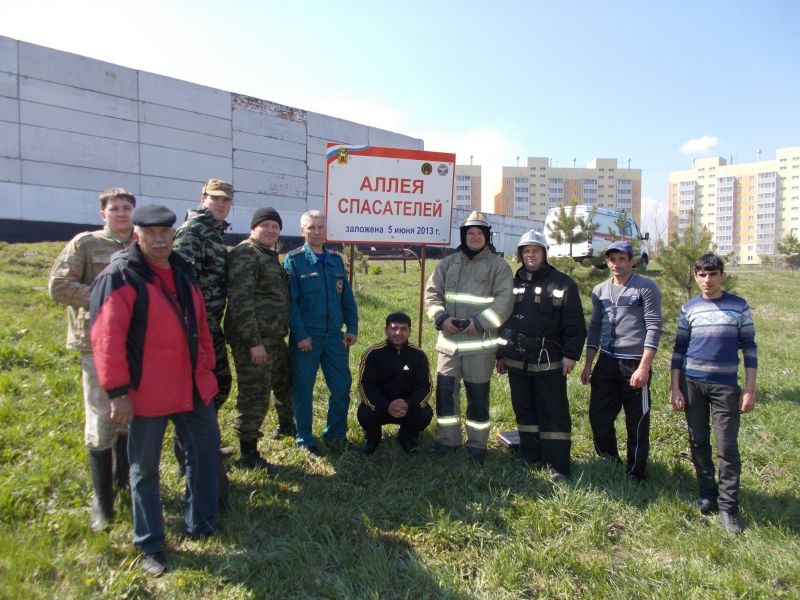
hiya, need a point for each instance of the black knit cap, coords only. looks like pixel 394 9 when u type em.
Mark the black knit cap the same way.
pixel 266 213
pixel 153 215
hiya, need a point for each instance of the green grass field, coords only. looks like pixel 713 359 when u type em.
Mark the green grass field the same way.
pixel 390 526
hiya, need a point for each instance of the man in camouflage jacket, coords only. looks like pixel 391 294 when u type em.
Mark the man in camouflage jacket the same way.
pixel 256 324
pixel 79 263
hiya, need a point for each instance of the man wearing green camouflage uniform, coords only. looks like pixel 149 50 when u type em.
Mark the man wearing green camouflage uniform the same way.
pixel 256 324
pixel 201 241
pixel 70 284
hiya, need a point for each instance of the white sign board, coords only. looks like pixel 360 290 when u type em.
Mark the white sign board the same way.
pixel 388 195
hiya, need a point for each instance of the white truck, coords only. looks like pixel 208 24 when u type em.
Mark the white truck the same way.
pixel 605 225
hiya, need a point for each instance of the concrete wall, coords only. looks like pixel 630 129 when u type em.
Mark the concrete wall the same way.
pixel 71 126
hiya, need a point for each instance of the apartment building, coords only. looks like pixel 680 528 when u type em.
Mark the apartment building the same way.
pixel 749 207
pixel 530 191
pixel 468 187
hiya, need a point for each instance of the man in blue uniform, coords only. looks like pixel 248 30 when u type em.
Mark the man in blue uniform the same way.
pixel 322 303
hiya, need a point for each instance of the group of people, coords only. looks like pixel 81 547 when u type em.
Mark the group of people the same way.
pixel 153 310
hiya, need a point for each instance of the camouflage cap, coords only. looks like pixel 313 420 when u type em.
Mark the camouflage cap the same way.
pixel 218 187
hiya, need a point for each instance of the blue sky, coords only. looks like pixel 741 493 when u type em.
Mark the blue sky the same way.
pixel 654 82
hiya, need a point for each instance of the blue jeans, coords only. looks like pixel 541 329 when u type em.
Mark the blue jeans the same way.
pixel 199 433
pixel 329 352
pixel 717 404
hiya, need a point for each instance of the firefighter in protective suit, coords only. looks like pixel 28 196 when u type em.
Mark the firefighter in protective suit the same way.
pixel 467 297
pixel 541 342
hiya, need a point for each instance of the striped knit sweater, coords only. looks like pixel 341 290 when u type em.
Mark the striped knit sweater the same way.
pixel 710 334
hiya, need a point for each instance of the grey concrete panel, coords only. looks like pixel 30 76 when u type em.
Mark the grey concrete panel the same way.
pixel 65 119
pixel 67 148
pixel 67 96
pixel 77 178
pixel 9 139
pixel 43 203
pixel 269 183
pixel 177 118
pixel 8 55
pixel 389 139
pixel 11 171
pixel 182 164
pixel 156 135
pixel 8 84
pixel 315 203
pixel 337 130
pixel 11 193
pixel 290 210
pixel 9 109
pixel 178 189
pixel 38 62
pixel 268 164
pixel 316 183
pixel 317 145
pixel 268 145
pixel 316 162
pixel 182 94
pixel 261 117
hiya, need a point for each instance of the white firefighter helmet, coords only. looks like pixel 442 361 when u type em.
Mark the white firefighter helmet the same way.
pixel 532 238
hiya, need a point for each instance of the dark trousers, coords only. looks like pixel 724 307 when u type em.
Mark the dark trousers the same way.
pixel 414 423
pixel 610 393
pixel 717 404
pixel 541 407
pixel 200 434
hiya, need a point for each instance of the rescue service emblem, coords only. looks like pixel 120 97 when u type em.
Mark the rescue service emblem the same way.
pixel 443 169
pixel 427 168
pixel 339 286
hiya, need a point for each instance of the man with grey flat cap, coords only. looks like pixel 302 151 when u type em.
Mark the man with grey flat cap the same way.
pixel 155 360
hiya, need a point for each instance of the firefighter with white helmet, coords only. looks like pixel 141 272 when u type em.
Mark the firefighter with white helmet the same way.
pixel 467 297
pixel 543 337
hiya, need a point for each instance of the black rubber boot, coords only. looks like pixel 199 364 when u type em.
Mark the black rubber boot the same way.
pixel 529 449
pixel 101 465
pixel 122 467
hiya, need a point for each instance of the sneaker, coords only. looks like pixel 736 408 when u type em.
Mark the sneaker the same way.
pixel 706 505
pixel 154 565
pixel 730 521
pixel 254 460
pixel 226 451
pixel 520 462
pixel 440 449
pixel 408 446
pixel 558 476
pixel 476 455
pixel 370 446
pixel 635 478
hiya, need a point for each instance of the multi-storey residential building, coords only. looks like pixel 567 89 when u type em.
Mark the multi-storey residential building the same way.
pixel 532 190
pixel 468 187
pixel 748 207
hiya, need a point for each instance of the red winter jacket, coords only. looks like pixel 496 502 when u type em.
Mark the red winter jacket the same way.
pixel 147 344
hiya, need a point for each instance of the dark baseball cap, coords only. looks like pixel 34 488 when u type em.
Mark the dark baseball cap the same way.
pixel 620 247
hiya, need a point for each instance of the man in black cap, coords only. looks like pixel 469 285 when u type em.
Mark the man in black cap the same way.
pixel 624 329
pixel 155 360
pixel 256 323
pixel 395 385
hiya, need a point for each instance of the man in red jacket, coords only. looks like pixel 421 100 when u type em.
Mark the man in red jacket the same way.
pixel 155 360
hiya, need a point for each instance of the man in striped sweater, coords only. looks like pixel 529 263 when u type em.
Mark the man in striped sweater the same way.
pixel 705 363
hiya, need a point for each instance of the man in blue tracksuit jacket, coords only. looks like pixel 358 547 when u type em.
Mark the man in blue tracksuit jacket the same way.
pixel 321 303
